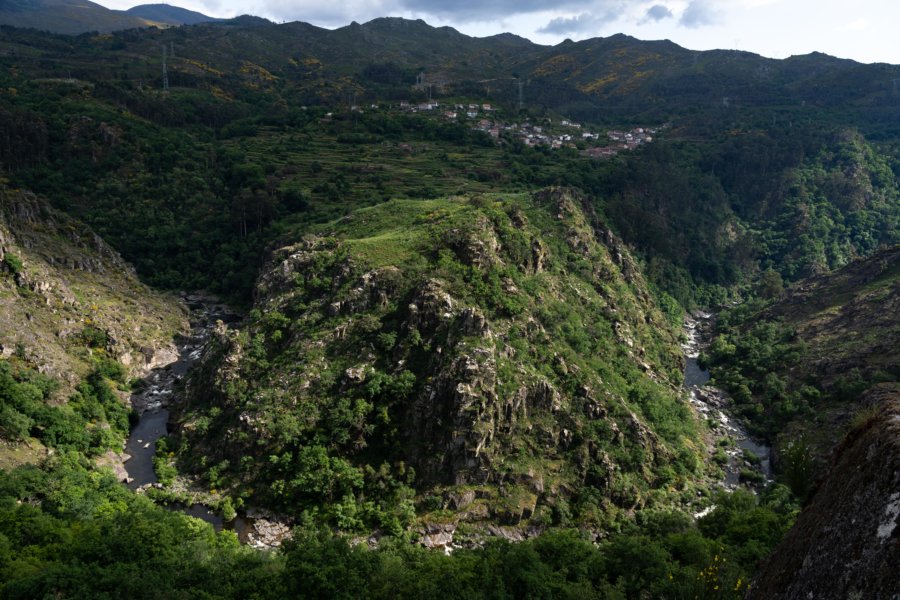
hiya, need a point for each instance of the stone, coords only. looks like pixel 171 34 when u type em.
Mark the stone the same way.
pixel 356 374
pixel 460 500
pixel 437 535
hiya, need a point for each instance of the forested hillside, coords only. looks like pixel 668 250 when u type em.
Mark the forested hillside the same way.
pixel 799 364
pixel 253 131
pixel 491 346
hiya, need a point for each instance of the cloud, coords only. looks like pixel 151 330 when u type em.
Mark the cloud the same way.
pixel 857 25
pixel 600 13
pixel 565 16
pixel 699 13
pixel 320 12
pixel 657 13
pixel 583 23
pixel 475 10
pixel 460 11
pixel 210 5
pixel 759 3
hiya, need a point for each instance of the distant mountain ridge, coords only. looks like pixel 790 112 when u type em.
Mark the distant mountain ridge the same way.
pixel 171 15
pixel 614 80
pixel 74 17
pixel 617 78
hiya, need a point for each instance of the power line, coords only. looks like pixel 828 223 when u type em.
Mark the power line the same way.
pixel 165 71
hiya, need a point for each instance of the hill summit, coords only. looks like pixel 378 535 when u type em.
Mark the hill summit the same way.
pixel 493 356
pixel 81 16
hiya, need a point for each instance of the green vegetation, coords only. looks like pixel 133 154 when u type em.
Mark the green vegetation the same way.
pixel 94 419
pixel 751 365
pixel 442 330
pixel 68 531
pixel 12 262
pixel 799 366
pixel 250 143
pixel 403 326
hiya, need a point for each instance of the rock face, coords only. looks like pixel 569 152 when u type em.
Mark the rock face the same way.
pixel 265 533
pixel 848 318
pixel 846 542
pixel 64 294
pixel 502 349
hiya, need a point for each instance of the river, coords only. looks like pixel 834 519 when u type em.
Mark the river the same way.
pixel 255 528
pixel 714 404
pixel 159 389
pixel 264 531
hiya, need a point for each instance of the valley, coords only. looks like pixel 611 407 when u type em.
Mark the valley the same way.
pixel 745 459
pixel 282 326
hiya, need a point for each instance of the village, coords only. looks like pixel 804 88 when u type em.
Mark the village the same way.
pixel 562 133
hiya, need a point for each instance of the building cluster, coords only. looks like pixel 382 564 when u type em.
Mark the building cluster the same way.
pixel 621 140
pixel 563 134
pixel 452 111
pixel 632 139
pixel 535 135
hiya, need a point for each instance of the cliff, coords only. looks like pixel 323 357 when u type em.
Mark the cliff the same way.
pixel 846 543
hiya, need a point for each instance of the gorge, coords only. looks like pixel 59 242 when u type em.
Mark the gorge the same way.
pixel 446 321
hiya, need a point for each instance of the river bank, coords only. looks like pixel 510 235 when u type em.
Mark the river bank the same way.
pixel 151 400
pixel 739 455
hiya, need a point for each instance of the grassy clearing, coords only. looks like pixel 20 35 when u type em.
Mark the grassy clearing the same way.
pixel 29 452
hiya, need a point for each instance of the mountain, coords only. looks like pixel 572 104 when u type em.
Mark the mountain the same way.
pixel 695 200
pixel 169 15
pixel 72 316
pixel 453 332
pixel 62 283
pixel 485 359
pixel 800 367
pixel 81 16
pixel 66 16
pixel 613 80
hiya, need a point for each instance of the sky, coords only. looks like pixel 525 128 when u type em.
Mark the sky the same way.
pixel 863 30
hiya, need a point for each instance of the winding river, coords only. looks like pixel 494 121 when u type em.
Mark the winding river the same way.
pixel 159 390
pixel 713 403
pixel 258 529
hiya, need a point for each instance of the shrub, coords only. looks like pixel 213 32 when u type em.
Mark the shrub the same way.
pixel 13 263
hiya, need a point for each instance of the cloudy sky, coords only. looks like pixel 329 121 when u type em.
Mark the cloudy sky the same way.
pixel 864 30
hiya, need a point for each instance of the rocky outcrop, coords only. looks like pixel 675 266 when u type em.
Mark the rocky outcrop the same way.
pixel 33 221
pixel 476 244
pixel 373 289
pixel 454 416
pixel 477 350
pixel 846 542
pixel 293 264
pixel 116 462
pixel 65 294
pixel 264 531
pixel 437 536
